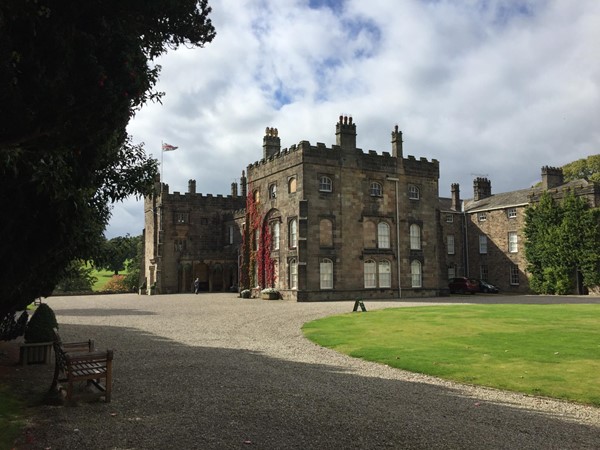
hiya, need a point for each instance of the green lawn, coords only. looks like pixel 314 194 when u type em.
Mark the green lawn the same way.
pixel 546 350
pixel 103 277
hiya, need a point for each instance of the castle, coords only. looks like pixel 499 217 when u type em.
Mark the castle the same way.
pixel 332 223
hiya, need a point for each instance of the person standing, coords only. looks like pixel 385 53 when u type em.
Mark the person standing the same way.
pixel 196 285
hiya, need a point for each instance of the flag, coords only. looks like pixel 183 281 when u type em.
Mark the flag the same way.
pixel 168 147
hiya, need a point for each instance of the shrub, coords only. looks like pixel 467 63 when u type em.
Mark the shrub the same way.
pixel 245 293
pixel 117 283
pixel 41 325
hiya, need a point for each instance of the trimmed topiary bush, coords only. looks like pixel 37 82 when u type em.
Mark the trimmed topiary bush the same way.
pixel 41 325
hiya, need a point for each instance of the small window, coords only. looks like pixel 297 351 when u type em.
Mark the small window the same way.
pixel 415 237
pixel 482 216
pixel 370 274
pixel 511 213
pixel 376 190
pixel 293 233
pixel 273 191
pixel 483 245
pixel 385 274
pixel 326 274
pixel 450 241
pixel 514 275
pixel 256 196
pixel 293 269
pixel 415 274
pixel 413 192
pixel 325 184
pixel 449 218
pixel 292 185
pixel 513 245
pixel 275 236
pixel 383 235
pixel 483 272
pixel 451 272
pixel 230 233
pixel 181 217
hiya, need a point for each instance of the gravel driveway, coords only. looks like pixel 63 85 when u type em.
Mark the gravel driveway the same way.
pixel 213 371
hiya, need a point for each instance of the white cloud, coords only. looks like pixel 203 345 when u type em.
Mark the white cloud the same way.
pixel 496 87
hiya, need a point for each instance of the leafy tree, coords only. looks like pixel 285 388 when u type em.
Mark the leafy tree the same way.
pixel 586 168
pixel 116 252
pixel 134 267
pixel 77 277
pixel 72 76
pixel 562 240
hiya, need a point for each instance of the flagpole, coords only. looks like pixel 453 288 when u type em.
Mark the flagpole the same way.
pixel 162 157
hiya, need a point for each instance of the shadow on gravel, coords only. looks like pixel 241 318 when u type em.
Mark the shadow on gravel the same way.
pixel 105 312
pixel 169 395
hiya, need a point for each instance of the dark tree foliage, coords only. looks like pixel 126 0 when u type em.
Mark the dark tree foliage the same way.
pixel 116 251
pixel 561 240
pixel 77 277
pixel 72 74
pixel 586 168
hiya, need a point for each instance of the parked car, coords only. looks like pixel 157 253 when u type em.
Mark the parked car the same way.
pixel 463 285
pixel 489 288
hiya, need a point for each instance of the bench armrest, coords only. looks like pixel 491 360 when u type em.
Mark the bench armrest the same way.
pixel 89 356
pixel 84 346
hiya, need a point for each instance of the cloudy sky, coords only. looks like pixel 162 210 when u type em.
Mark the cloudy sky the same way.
pixel 495 88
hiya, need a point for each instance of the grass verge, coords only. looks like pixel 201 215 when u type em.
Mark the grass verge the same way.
pixel 544 350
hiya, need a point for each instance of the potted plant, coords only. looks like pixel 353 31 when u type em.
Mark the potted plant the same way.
pixel 39 336
pixel 269 294
pixel 245 293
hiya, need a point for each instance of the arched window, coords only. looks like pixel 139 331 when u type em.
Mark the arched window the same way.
pixel 256 196
pixel 275 236
pixel 369 234
pixel 293 268
pixel 273 191
pixel 383 235
pixel 376 190
pixel 385 274
pixel 415 274
pixel 370 274
pixel 413 192
pixel 292 185
pixel 415 237
pixel 293 233
pixel 325 233
pixel 326 274
pixel 325 184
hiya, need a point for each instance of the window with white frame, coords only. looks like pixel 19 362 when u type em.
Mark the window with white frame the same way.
pixel 415 237
pixel 370 274
pixel 449 218
pixel 514 274
pixel 513 243
pixel 483 272
pixel 451 272
pixel 293 233
pixel 482 216
pixel 273 191
pixel 385 274
pixel 293 269
pixel 275 236
pixel 326 273
pixel 511 213
pixel 450 242
pixel 483 244
pixel 230 233
pixel 415 274
pixel 376 190
pixel 325 184
pixel 413 192
pixel 383 235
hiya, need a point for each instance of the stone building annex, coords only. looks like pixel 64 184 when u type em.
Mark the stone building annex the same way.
pixel 329 223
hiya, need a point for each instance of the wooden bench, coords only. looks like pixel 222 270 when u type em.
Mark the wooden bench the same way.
pixel 80 361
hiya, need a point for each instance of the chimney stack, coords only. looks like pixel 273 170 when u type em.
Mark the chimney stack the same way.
pixel 345 133
pixel 455 189
pixel 551 177
pixel 271 143
pixel 482 188
pixel 397 143
pixel 192 186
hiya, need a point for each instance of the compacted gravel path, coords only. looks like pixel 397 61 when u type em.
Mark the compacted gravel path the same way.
pixel 213 371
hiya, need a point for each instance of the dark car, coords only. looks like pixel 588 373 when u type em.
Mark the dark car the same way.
pixel 489 288
pixel 463 285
